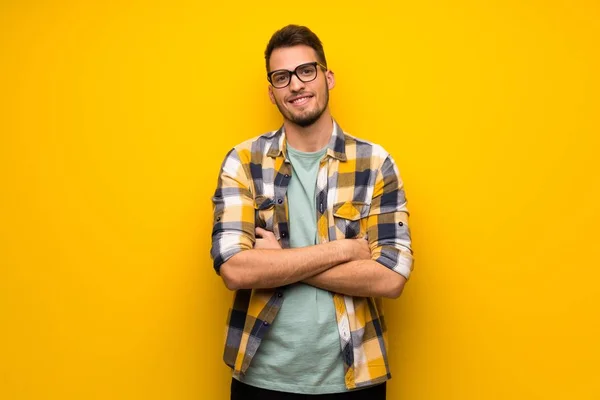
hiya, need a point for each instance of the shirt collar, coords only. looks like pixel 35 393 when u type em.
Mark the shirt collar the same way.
pixel 336 147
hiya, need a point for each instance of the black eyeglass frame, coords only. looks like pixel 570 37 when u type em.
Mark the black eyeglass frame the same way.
pixel 295 72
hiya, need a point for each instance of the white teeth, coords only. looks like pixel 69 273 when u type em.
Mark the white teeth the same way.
pixel 299 100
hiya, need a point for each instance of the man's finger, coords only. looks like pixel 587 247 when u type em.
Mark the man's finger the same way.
pixel 263 233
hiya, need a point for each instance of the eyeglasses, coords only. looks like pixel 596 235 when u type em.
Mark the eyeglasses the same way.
pixel 305 72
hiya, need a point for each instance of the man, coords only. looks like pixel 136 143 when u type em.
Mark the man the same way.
pixel 311 231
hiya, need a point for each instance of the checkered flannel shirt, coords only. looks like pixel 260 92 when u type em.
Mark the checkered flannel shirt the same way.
pixel 359 194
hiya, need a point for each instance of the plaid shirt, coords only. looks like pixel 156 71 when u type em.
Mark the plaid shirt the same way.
pixel 359 194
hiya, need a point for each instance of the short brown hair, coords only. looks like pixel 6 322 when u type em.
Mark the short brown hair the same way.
pixel 294 35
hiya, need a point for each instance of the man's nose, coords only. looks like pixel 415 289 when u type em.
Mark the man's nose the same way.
pixel 295 83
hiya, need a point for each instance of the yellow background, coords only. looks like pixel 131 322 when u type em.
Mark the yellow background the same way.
pixel 115 117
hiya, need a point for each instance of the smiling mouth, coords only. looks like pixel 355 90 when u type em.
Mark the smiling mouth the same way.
pixel 300 100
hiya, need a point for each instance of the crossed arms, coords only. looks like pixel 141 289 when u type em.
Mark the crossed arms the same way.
pixel 342 266
pixel 247 257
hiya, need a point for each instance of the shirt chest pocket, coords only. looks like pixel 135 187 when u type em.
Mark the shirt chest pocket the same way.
pixel 264 212
pixel 350 219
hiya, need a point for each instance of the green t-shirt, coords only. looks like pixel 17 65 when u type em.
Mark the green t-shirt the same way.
pixel 301 353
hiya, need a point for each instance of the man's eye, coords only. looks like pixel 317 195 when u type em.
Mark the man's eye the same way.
pixel 307 71
pixel 279 78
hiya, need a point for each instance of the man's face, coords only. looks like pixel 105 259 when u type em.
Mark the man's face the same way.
pixel 302 103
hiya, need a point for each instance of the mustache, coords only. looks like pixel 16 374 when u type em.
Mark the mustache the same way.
pixel 298 94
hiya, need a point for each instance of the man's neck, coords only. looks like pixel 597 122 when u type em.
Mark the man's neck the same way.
pixel 311 138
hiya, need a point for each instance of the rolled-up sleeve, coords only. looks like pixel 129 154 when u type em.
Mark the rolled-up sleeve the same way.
pixel 387 224
pixel 233 212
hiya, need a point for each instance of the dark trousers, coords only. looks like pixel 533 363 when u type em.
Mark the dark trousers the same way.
pixel 241 391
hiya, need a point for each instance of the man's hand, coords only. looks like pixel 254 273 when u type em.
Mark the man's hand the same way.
pixel 266 240
pixel 361 248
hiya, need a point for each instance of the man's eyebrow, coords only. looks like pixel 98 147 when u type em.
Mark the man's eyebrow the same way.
pixel 284 69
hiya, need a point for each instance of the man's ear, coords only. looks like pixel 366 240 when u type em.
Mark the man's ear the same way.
pixel 271 95
pixel 330 79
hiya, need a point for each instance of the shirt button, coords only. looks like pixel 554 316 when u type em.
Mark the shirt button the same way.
pixel 279 201
pixel 400 223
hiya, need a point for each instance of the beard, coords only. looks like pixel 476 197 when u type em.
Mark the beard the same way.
pixel 304 119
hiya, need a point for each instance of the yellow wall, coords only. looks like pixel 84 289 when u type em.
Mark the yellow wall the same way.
pixel 114 118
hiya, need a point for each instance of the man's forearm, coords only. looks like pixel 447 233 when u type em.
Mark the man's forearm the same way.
pixel 366 278
pixel 268 268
